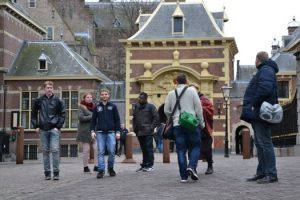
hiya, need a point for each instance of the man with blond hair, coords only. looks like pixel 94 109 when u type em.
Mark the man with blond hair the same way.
pixel 106 126
pixel 47 117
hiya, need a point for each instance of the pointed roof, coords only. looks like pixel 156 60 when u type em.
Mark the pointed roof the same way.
pixel 199 22
pixel 64 62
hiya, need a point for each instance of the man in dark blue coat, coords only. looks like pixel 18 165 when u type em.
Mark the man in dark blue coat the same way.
pixel 105 125
pixel 262 87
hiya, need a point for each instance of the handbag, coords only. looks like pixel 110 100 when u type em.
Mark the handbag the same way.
pixel 187 120
pixel 271 113
pixel 167 132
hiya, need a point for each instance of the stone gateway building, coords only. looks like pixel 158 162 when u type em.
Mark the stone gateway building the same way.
pixel 180 37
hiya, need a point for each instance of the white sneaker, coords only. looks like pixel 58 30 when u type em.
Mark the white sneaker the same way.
pixel 148 169
pixel 141 169
pixel 184 181
pixel 192 173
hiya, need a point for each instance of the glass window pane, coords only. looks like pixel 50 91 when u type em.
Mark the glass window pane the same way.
pixel 65 98
pixel 74 100
pixel 25 101
pixel 25 119
pixel 178 24
pixel 34 95
pixel 50 33
pixel 74 119
pixel 66 124
pixel 283 89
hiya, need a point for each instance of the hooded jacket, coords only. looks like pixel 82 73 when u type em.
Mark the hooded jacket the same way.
pixel 262 87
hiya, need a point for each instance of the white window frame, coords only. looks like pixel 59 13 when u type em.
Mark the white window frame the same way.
pixel 46 65
pixel 22 110
pixel 31 3
pixel 173 25
pixel 46 36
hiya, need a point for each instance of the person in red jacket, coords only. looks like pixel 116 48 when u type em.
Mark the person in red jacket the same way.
pixel 206 133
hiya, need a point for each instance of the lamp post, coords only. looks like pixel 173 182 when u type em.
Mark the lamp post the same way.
pixel 226 95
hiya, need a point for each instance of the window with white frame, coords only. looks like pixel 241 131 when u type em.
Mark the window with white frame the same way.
pixel 178 24
pixel 50 33
pixel 32 3
pixel 27 99
pixel 70 99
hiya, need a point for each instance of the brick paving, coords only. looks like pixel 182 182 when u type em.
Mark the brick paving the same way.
pixel 26 181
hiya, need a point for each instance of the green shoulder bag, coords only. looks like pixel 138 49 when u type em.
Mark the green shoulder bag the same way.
pixel 188 121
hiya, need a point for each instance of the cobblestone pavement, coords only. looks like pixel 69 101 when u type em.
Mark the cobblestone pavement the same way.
pixel 26 181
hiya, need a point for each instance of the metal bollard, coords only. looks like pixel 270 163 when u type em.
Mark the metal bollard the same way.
pixel 20 146
pixel 128 149
pixel 166 151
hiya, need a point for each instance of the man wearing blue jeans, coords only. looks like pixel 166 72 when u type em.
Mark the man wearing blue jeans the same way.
pixel 107 121
pixel 47 117
pixel 262 87
pixel 185 139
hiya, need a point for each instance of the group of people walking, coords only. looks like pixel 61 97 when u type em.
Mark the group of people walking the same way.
pixel 99 126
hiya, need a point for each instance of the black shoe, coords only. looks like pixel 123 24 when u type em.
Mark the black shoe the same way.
pixel 100 174
pixel 192 173
pixel 255 178
pixel 209 170
pixel 267 179
pixel 95 168
pixel 47 175
pixel 55 176
pixel 86 169
pixel 111 172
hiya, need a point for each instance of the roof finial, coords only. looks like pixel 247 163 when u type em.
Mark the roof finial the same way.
pixel 140 11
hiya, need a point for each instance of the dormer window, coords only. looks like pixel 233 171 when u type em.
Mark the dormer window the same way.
pixel 178 21
pixel 43 62
pixel 178 24
pixel 43 65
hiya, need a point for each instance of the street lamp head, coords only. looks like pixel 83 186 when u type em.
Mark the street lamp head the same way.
pixel 226 92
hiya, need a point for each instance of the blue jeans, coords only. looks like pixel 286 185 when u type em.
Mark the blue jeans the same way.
pixel 50 143
pixel 184 140
pixel 265 150
pixel 160 145
pixel 106 140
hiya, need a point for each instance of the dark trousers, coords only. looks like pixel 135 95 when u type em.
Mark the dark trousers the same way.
pixel 146 144
pixel 206 148
pixel 121 145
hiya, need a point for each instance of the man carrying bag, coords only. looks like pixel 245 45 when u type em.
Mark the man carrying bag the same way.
pixel 185 138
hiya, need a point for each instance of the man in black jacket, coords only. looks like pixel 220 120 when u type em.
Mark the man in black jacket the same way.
pixel 106 123
pixel 145 120
pixel 47 117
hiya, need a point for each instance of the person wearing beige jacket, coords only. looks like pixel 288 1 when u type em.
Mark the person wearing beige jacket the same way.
pixel 186 139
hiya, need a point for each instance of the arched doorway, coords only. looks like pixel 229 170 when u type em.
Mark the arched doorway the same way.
pixel 237 129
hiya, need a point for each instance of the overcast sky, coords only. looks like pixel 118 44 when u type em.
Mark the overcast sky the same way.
pixel 255 23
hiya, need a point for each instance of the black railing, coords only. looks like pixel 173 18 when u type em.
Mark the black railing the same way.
pixel 284 133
